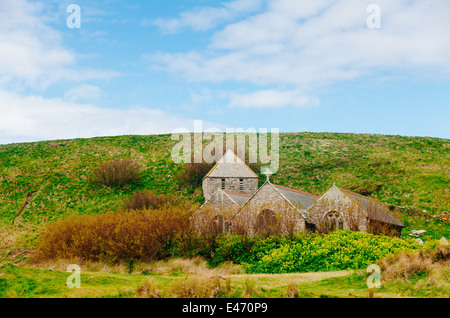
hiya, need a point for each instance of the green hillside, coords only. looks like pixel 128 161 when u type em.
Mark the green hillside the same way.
pixel 43 181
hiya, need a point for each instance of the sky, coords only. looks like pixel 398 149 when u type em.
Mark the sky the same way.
pixel 150 67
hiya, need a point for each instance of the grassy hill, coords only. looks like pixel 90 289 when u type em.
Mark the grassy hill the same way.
pixel 43 181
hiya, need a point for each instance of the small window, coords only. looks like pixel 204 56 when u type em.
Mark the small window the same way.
pixel 223 184
pixel 241 184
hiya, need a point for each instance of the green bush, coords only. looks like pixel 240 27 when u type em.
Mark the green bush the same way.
pixel 231 248
pixel 117 173
pixel 339 250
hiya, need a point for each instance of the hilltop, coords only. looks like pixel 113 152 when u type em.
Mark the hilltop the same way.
pixel 44 181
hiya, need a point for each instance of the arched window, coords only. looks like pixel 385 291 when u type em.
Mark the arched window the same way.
pixel 267 222
pixel 219 223
pixel 333 220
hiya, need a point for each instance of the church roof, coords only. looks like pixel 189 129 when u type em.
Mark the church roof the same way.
pixel 298 198
pixel 238 197
pixel 231 166
pixel 374 208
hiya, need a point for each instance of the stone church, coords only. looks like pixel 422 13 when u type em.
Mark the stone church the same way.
pixel 234 203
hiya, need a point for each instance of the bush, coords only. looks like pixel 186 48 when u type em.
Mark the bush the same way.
pixel 192 174
pixel 339 250
pixel 409 264
pixel 117 173
pixel 146 199
pixel 115 236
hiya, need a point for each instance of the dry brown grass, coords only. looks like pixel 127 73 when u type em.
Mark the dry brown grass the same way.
pixel 251 287
pixel 148 289
pixel 170 267
pixel 192 266
pixel 424 270
pixel 408 264
pixel 197 286
pixel 292 291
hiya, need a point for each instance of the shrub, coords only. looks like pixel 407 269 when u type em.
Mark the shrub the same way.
pixel 115 236
pixel 199 287
pixel 146 199
pixel 425 272
pixel 292 291
pixel 338 250
pixel 148 289
pixel 192 174
pixel 409 264
pixel 231 248
pixel 117 173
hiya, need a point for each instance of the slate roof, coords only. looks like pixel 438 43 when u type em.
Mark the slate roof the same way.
pixel 298 198
pixel 374 208
pixel 231 166
pixel 239 198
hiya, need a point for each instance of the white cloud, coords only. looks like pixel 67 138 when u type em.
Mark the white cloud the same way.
pixel 311 43
pixel 84 92
pixel 32 52
pixel 33 118
pixel 205 18
pixel 271 99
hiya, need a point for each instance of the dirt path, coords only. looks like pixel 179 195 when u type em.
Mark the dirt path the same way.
pixel 300 277
pixel 277 280
pixel 25 205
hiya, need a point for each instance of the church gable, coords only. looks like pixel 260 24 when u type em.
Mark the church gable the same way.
pixel 231 166
pixel 336 210
pixel 266 195
pixel 274 203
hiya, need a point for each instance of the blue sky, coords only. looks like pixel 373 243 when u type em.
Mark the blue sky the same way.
pixel 147 67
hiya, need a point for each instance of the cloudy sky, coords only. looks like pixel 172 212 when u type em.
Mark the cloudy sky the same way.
pixel 148 67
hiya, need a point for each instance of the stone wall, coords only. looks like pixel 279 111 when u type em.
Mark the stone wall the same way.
pixel 219 207
pixel 268 198
pixel 211 185
pixel 353 217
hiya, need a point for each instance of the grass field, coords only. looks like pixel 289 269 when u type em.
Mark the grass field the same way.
pixel 170 282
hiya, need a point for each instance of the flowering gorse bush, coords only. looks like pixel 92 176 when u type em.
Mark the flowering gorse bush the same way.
pixel 338 250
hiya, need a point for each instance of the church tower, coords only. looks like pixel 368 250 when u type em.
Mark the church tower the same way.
pixel 232 174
